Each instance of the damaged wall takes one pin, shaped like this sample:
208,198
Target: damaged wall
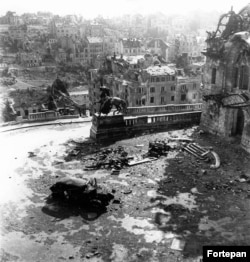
245,139
227,72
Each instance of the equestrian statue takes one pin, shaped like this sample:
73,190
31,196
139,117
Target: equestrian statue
107,102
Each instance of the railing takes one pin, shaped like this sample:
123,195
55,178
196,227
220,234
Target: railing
43,115
147,110
167,118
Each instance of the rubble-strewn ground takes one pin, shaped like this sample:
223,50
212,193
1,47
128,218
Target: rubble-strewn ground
174,197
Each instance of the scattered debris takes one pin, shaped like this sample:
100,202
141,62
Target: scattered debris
194,190
107,158
31,154
127,191
181,139
243,178
201,132
178,244
196,151
75,152
145,160
115,172
157,148
203,154
217,160
203,172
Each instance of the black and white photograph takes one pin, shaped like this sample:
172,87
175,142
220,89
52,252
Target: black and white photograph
124,131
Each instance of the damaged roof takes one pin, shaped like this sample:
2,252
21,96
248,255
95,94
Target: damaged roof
160,70
131,42
134,59
29,97
245,36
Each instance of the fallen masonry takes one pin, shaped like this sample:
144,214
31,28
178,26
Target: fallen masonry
203,154
158,148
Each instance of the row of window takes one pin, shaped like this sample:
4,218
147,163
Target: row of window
127,51
163,89
152,99
162,78
66,31
26,112
152,89
183,98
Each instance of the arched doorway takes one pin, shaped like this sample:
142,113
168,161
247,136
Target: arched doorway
238,122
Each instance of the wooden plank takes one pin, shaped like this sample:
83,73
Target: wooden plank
149,159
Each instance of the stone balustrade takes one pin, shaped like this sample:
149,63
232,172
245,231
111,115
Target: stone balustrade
47,115
165,118
147,110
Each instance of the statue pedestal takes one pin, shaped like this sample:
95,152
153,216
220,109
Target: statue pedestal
107,127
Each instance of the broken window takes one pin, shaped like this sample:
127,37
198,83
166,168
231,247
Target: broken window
152,89
244,77
183,88
172,98
213,79
162,100
172,88
183,97
152,99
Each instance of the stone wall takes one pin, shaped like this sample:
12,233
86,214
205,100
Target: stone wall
220,121
117,127
213,118
245,139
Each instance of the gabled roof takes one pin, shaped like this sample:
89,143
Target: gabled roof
162,42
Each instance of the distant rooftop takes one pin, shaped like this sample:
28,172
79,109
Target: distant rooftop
94,39
160,70
131,42
76,93
133,59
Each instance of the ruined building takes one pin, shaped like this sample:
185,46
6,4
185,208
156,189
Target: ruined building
226,92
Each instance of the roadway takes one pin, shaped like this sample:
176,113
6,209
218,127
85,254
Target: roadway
17,126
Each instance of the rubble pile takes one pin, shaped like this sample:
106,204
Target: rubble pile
158,148
109,158
8,81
